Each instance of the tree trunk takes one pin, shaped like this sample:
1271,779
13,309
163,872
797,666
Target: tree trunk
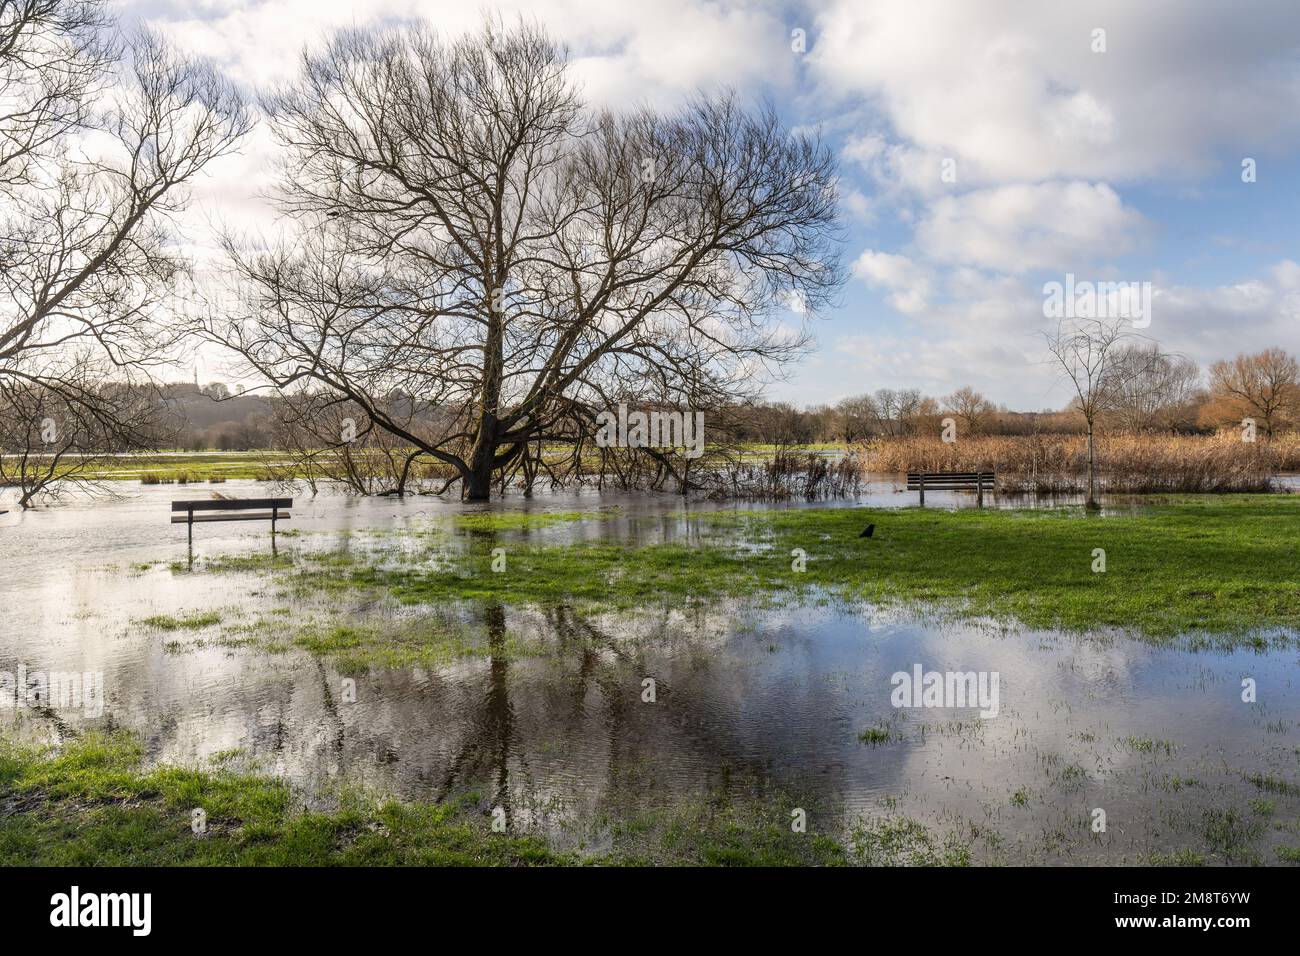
1092,467
477,483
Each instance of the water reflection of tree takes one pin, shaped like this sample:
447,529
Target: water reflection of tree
486,752
643,743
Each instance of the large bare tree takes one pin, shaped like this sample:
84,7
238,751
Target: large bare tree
460,231
99,138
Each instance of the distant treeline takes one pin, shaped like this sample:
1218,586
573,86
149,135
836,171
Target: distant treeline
217,417
1151,392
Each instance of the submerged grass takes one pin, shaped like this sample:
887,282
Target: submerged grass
190,622
92,804
355,642
1218,569
523,520
355,648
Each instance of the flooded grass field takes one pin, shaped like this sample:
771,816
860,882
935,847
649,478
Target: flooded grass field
375,653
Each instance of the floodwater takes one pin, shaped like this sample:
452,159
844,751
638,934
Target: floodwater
764,706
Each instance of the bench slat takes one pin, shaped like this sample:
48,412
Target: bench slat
231,504
246,516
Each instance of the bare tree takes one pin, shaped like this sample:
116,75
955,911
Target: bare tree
54,440
972,408
320,436
1146,388
97,145
1085,350
53,57
901,412
461,230
858,417
1265,385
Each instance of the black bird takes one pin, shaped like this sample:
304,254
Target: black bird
867,533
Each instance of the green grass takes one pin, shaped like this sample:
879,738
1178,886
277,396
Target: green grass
1145,745
1230,835
1218,569
1184,857
902,841
705,832
91,803
428,642
1271,784
193,466
879,735
486,521
191,622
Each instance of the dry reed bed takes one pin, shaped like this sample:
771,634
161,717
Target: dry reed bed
1125,463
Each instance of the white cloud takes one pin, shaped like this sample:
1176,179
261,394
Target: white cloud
908,285
621,52
1013,90
1217,322
858,205
1043,226
986,331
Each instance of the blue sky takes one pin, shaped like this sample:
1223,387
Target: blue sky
1117,164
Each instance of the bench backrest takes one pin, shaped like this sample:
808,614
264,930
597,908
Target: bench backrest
939,479
232,504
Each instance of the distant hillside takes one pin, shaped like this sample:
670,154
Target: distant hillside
212,417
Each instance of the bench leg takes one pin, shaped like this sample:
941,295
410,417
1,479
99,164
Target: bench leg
979,494
921,487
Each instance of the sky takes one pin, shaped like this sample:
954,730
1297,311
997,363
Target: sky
986,148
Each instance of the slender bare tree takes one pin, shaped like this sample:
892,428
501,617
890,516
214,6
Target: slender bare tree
1085,351
98,141
460,229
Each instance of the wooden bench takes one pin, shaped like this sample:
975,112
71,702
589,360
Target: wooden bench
232,509
975,481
